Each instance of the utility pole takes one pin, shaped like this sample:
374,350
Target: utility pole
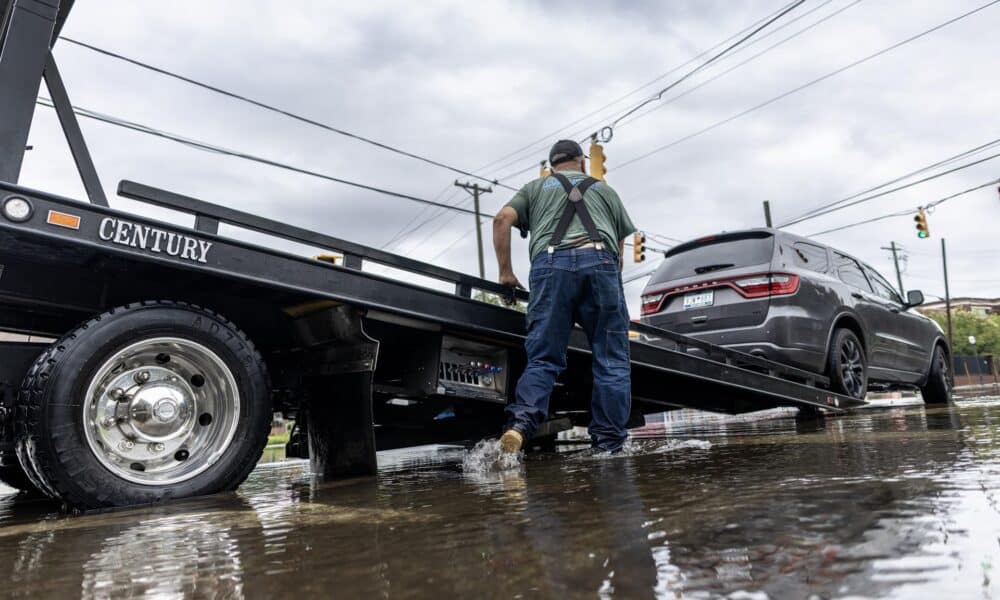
947,292
475,190
895,261
767,213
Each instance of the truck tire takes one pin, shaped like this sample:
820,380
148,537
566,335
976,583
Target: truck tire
145,403
847,365
937,389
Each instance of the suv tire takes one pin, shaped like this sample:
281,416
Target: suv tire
937,389
847,365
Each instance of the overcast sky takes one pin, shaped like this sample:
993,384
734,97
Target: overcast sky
467,83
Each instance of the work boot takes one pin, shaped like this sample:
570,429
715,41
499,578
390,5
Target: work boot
511,441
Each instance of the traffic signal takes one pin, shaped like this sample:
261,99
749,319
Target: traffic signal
638,246
597,157
923,232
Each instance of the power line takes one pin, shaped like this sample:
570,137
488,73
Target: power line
445,196
767,50
708,62
405,236
548,137
818,209
639,273
666,239
708,81
438,229
865,222
654,249
275,109
908,212
423,210
447,248
804,86
895,189
96,116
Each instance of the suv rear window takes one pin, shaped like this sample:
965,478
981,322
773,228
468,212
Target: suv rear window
719,253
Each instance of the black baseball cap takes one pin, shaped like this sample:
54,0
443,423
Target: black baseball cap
564,150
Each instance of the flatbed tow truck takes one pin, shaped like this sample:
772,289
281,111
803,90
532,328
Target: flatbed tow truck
176,345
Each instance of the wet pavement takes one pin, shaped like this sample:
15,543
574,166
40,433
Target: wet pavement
898,502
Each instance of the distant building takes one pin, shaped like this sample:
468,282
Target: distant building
976,306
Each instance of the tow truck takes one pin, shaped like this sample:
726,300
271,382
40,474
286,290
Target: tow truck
175,345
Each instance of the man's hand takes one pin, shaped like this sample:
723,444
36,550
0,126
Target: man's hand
510,280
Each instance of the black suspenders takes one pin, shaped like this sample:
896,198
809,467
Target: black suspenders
575,206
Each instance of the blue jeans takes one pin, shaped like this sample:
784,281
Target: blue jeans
576,286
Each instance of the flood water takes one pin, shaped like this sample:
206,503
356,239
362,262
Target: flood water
899,502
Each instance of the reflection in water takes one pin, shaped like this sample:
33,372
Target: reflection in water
902,502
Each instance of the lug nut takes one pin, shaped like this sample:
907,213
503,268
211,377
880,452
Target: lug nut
125,445
117,394
141,377
109,422
155,447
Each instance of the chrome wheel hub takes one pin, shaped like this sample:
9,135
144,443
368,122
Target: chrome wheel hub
158,411
161,411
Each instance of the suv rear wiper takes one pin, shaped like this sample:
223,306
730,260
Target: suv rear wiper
707,268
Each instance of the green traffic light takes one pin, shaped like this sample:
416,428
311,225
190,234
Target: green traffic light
922,235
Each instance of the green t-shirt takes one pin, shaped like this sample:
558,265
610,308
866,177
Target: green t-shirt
541,202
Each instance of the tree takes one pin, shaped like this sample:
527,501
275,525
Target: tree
495,299
985,328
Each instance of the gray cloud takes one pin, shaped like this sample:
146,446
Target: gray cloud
469,82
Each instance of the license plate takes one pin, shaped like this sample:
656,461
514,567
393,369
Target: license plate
699,299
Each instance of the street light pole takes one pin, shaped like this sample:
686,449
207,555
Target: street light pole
947,292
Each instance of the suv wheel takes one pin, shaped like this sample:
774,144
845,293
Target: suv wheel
847,365
937,390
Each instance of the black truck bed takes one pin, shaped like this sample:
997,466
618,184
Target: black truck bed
72,260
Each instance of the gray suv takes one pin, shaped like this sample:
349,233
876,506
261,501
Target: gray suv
787,298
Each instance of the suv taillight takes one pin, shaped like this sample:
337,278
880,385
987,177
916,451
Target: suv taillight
651,303
754,286
769,284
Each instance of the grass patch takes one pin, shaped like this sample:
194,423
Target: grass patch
281,438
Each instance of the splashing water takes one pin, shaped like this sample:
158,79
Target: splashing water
487,457
642,448
672,445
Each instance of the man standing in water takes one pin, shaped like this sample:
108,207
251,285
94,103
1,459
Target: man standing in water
578,228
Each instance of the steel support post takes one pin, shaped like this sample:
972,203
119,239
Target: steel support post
25,35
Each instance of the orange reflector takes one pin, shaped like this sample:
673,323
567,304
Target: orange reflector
63,220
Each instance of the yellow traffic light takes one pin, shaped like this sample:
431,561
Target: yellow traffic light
638,246
597,157
544,171
923,231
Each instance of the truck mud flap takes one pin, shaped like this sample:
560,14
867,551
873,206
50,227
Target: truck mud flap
339,364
